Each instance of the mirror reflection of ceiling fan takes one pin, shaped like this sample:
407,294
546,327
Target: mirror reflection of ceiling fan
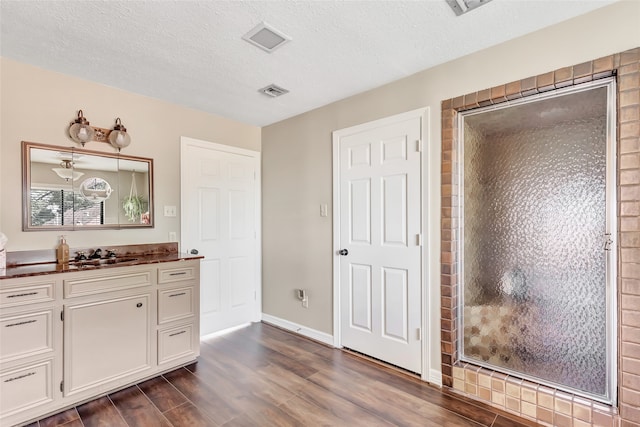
66,171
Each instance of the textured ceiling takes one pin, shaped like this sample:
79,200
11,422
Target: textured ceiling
191,52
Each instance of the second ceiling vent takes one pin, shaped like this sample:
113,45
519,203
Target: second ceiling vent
273,90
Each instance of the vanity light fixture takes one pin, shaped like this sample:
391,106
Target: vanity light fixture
66,172
119,137
81,131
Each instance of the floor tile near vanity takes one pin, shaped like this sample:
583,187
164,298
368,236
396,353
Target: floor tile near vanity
262,375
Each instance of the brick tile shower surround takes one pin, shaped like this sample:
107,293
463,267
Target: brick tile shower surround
529,400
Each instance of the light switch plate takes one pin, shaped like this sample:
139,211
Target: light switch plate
169,211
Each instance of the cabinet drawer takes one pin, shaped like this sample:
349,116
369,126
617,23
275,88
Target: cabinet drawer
25,388
35,293
99,284
176,303
175,343
25,335
168,275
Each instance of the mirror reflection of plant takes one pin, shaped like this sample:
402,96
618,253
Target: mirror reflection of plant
134,206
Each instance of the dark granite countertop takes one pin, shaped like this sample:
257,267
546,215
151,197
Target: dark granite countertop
126,259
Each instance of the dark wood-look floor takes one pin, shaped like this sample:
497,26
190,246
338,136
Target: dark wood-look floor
264,376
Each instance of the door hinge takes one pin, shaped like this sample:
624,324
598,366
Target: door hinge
61,386
255,295
419,334
419,145
419,239
62,315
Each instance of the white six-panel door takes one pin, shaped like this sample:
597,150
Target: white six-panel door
220,219
380,226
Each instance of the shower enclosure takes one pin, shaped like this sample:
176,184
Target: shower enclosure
538,264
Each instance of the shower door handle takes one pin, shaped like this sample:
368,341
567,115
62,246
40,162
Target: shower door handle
607,242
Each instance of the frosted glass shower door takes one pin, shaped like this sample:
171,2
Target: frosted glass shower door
537,186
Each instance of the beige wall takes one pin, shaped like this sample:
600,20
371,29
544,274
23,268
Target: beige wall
37,105
297,171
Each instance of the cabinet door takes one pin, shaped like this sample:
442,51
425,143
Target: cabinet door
106,341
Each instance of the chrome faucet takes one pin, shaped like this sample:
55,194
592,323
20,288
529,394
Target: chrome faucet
97,254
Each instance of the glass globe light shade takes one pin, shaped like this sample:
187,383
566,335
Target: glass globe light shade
80,130
119,137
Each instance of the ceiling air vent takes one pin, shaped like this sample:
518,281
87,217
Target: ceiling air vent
273,90
266,37
464,6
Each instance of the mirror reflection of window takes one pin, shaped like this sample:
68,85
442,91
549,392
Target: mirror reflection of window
51,208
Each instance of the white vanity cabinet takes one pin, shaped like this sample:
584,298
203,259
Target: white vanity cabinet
69,337
30,346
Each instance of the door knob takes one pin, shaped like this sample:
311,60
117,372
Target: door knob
194,252
343,252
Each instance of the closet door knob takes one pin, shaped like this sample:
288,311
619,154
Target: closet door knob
343,252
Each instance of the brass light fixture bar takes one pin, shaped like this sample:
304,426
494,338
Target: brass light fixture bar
81,131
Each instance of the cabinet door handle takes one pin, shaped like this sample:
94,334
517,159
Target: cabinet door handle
19,377
139,305
24,322
178,274
22,295
177,333
177,295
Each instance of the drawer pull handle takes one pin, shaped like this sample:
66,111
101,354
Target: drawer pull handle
177,295
139,305
177,333
22,295
19,377
24,322
178,274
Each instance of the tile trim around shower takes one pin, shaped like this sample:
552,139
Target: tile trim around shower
532,401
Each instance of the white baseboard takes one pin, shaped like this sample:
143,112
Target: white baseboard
435,377
224,331
298,329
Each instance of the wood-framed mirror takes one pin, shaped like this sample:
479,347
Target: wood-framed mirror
67,188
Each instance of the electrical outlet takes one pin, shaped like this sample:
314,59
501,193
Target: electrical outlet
305,302
170,211
323,210
172,236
